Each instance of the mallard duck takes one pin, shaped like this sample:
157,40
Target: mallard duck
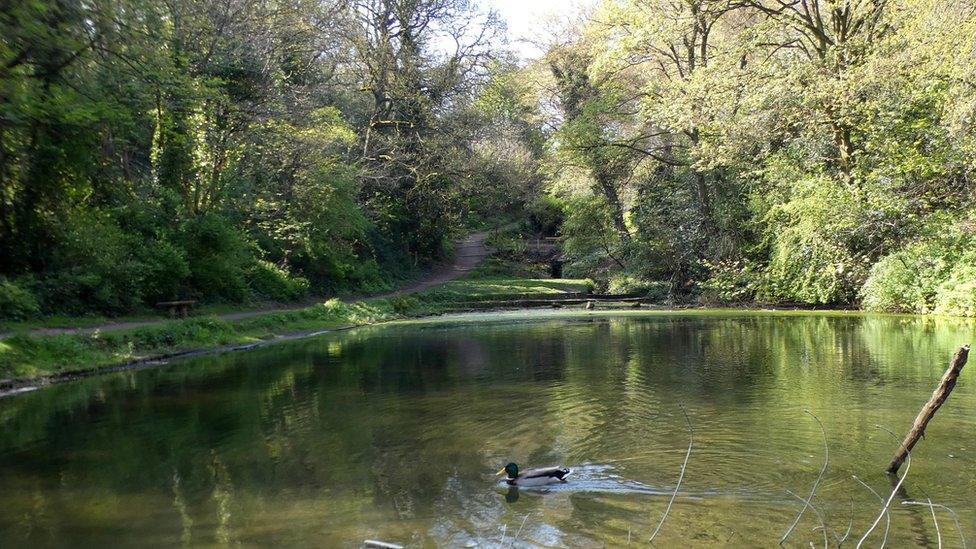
534,477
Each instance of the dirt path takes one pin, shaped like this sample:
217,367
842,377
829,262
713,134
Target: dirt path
470,251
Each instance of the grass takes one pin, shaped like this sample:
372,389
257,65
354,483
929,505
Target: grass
499,289
90,321
24,356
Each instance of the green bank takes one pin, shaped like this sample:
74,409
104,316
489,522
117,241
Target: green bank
24,356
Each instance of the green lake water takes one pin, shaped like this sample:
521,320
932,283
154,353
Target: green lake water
395,433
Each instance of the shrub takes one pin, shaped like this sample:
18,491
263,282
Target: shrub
936,274
590,238
218,256
404,304
957,294
16,302
270,281
92,268
164,271
904,282
729,282
810,260
546,215
630,284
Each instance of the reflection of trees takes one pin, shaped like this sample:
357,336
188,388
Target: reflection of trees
328,439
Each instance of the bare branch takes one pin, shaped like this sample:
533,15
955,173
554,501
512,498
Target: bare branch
691,442
816,483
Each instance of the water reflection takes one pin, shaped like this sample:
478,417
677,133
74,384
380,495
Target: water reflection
394,432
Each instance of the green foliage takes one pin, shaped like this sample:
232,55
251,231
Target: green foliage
957,294
931,275
152,151
729,281
16,302
269,281
745,169
546,215
809,260
218,256
164,272
655,290
589,236
404,304
93,268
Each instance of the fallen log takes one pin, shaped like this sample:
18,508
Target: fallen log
928,411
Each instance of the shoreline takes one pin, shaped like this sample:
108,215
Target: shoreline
19,385
16,386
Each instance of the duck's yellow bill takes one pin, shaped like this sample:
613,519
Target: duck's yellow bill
501,472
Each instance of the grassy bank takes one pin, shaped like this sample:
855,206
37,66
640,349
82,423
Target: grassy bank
24,356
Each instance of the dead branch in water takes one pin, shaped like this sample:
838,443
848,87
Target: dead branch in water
955,517
519,530
884,540
928,411
850,526
935,520
376,544
894,492
691,442
823,524
813,490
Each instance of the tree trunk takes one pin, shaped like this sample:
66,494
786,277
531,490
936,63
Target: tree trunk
704,202
845,151
605,182
928,411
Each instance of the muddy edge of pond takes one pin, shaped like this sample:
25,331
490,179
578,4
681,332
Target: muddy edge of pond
15,386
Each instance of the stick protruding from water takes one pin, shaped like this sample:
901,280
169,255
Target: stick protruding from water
928,411
691,442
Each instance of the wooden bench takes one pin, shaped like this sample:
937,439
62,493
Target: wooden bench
177,309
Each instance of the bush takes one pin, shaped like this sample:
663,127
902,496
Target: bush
218,256
546,215
936,274
957,295
270,281
590,238
404,304
904,282
164,271
729,282
92,268
810,260
16,302
630,284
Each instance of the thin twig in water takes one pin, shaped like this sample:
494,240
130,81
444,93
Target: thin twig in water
850,526
955,517
519,530
806,502
502,542
823,525
691,442
938,533
894,492
887,514
889,431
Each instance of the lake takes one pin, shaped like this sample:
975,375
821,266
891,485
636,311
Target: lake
395,432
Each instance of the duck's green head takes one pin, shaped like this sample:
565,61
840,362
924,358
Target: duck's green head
511,470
